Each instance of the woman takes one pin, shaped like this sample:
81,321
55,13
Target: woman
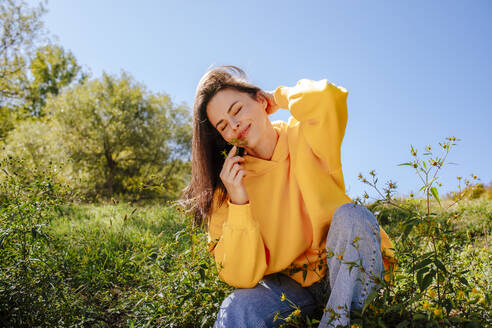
279,222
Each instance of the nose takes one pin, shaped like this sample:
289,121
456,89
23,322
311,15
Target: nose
234,123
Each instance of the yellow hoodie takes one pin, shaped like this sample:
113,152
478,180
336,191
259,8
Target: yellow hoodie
292,197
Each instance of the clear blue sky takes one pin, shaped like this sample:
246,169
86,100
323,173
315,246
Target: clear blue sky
416,71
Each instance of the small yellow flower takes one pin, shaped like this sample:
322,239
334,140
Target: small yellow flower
282,298
297,312
426,305
461,293
432,293
340,257
437,312
474,291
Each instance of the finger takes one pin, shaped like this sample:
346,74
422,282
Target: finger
239,176
232,152
232,174
231,161
233,171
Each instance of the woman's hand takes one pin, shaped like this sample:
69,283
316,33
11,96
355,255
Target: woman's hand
232,176
272,106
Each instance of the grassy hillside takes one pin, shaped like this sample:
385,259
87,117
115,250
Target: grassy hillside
120,265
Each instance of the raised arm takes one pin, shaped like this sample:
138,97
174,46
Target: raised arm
321,109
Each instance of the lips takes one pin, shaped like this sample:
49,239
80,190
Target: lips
243,133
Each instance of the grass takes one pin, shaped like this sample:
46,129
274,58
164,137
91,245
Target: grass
119,265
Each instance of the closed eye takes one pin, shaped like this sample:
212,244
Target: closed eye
225,124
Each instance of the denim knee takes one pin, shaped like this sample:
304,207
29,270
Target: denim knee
350,214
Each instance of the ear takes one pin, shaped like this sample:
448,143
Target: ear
262,99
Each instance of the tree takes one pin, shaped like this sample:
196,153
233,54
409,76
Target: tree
51,69
20,27
119,136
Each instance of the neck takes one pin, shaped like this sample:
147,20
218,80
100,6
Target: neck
265,149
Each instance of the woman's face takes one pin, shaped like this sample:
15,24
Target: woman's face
238,116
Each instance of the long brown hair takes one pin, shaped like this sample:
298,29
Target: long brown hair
207,143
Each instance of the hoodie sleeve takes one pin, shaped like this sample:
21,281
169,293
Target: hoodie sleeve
235,241
321,109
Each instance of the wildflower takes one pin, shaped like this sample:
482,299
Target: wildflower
444,146
414,153
373,173
428,148
330,254
434,163
414,165
340,257
366,195
437,312
411,194
275,317
426,305
474,177
297,312
432,293
475,291
282,298
360,176
459,178
461,293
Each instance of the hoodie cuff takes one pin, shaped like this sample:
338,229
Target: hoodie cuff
240,216
281,97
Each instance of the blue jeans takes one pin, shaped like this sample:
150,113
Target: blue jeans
354,234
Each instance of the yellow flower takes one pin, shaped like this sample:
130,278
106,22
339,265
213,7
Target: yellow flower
282,298
432,293
461,293
297,312
474,291
437,312
426,305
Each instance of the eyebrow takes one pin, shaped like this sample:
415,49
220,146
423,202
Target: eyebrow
230,107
